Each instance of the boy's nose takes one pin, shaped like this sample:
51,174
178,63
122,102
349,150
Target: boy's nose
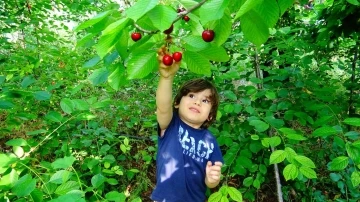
197,102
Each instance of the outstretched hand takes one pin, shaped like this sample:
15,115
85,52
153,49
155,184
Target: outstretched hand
166,71
213,172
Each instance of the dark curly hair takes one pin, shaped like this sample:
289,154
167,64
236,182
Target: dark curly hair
198,85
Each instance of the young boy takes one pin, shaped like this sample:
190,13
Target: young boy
189,158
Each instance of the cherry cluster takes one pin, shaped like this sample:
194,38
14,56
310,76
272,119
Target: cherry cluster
168,59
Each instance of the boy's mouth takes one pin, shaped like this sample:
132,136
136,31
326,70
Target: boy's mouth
194,110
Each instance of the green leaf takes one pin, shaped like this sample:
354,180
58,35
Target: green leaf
65,162
212,10
110,37
324,131
92,62
36,132
197,63
37,195
308,172
115,196
353,2
353,152
27,81
93,20
117,77
2,79
352,121
85,40
162,17
24,186
81,104
269,10
4,104
17,142
71,196
355,178
99,76
284,5
230,95
257,33
246,7
142,64
276,123
248,181
141,7
277,156
339,163
67,187
60,177
54,116
270,94
10,178
259,125
67,105
296,137
215,197
42,95
290,172
215,53
195,43
305,161
234,194
97,180
223,28
274,141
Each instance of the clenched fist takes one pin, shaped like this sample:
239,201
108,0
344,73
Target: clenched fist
213,172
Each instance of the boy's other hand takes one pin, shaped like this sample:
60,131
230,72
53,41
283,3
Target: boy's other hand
213,172
166,71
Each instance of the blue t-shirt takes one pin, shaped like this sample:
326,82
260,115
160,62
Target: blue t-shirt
183,153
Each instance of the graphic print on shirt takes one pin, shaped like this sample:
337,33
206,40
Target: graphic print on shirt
197,150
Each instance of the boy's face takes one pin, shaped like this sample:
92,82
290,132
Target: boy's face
194,108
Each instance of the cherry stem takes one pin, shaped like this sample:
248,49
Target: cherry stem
180,16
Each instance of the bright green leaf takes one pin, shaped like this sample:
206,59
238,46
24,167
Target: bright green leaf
115,196
67,187
257,33
290,172
24,186
248,181
4,104
162,16
223,28
97,180
197,63
94,20
324,131
259,125
42,95
353,2
215,53
117,78
27,81
17,142
355,178
212,10
99,76
67,105
142,64
246,7
141,7
305,161
36,132
352,121
37,195
277,156
308,172
60,177
65,162
339,163
54,116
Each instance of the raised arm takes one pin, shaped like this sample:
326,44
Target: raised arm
164,107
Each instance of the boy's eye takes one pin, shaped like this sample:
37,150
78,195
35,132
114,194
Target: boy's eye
191,95
206,101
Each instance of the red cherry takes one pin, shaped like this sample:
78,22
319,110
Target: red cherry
136,36
186,18
168,31
167,60
177,56
208,35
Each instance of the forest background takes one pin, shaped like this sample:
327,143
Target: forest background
77,100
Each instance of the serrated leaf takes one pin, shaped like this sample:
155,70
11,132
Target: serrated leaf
141,7
197,63
162,17
67,187
308,172
339,163
92,62
110,37
246,7
93,20
269,10
195,43
324,131
305,161
274,141
353,152
215,53
290,172
248,181
67,105
355,178
99,76
276,123
85,40
24,186
215,197
234,194
117,78
37,195
42,95
212,10
284,5
259,125
254,28
64,163
223,28
81,104
17,142
277,156
352,121
142,64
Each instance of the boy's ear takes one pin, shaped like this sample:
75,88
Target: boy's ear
209,118
176,106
